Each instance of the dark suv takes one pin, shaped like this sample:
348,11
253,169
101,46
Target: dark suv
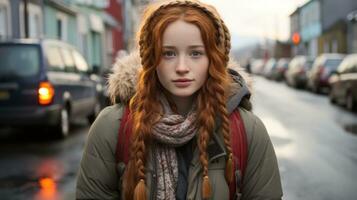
44,83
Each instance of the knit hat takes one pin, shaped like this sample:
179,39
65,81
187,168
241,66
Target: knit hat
223,39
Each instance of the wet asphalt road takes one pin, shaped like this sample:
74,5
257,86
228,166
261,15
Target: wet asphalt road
316,145
36,167
315,142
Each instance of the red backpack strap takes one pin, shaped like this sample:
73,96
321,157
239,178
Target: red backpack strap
239,147
124,134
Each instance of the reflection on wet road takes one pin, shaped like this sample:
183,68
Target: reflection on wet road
34,166
315,141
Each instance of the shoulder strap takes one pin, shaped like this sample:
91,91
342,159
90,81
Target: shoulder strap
124,134
239,147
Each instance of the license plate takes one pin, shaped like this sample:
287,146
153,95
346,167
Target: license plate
4,95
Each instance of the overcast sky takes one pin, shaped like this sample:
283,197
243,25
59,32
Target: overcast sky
257,18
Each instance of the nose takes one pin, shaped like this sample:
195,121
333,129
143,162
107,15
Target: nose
182,66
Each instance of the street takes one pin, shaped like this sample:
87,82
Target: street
315,142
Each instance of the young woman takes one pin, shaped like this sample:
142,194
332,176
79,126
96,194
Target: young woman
180,94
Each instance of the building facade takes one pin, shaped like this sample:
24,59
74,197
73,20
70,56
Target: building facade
115,33
60,21
310,27
325,26
334,25
21,19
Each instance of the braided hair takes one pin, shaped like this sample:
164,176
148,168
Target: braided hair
211,98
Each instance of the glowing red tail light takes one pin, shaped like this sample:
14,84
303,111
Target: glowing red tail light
45,93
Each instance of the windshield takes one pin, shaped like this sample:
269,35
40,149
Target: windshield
17,61
333,63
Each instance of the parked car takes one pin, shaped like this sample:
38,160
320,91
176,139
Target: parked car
269,68
282,65
296,74
257,66
44,83
344,83
321,71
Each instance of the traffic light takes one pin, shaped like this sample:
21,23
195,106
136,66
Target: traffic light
296,38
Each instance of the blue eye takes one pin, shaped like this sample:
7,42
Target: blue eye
196,53
169,54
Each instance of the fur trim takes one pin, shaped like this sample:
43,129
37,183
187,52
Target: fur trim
122,80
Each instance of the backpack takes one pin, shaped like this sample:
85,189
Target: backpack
239,147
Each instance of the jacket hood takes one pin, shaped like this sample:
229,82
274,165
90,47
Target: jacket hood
122,81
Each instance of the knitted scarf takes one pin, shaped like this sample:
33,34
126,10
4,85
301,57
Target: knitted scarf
171,131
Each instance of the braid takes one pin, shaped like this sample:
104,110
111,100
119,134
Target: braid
145,111
227,41
206,122
225,130
218,90
139,149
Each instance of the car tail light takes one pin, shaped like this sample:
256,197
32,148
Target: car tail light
321,71
45,93
302,71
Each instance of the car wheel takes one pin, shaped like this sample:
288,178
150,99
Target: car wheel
316,89
95,113
62,128
350,104
331,98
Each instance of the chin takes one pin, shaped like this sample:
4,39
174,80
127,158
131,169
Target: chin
183,94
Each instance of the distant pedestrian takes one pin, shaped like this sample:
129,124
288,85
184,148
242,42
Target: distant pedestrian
177,101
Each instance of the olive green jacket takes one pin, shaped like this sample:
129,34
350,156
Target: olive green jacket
99,173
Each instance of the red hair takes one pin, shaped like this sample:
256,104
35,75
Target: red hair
211,98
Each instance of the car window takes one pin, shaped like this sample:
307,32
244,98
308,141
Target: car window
81,64
54,58
19,61
332,63
68,60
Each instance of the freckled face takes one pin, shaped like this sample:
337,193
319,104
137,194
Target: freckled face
183,68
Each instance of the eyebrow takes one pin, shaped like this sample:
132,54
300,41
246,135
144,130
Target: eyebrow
190,47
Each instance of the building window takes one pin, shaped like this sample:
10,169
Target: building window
34,25
4,19
334,46
109,41
326,47
61,26
34,20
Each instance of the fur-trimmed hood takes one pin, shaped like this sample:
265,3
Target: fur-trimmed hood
122,81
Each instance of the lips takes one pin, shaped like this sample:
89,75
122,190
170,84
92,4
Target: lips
182,80
182,83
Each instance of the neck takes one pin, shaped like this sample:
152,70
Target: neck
183,104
